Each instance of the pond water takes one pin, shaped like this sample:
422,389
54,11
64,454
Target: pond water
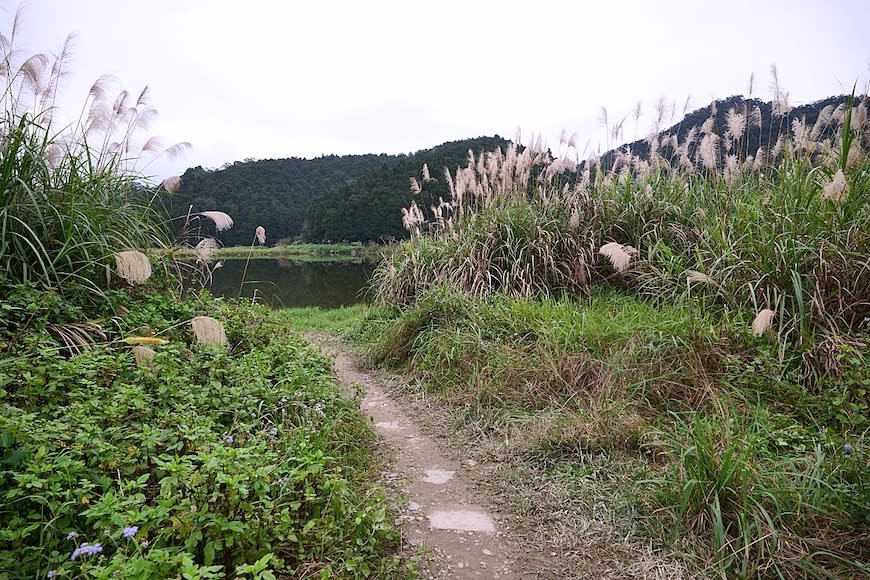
284,283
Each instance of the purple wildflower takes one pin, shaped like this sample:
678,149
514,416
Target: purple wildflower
52,574
71,535
130,532
229,439
86,549
273,431
847,448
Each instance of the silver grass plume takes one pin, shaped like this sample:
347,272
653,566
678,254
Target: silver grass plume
221,220
171,184
736,123
261,235
204,250
133,266
619,255
207,330
763,321
143,355
837,189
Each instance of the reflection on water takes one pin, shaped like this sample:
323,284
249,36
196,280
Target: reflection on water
285,283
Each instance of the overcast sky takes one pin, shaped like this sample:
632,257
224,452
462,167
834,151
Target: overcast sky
270,79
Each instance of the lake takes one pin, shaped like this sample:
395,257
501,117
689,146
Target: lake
287,283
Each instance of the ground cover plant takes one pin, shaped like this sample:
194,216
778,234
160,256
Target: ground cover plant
693,321
203,460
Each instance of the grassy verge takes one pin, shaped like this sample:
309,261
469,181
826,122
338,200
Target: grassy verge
629,426
200,461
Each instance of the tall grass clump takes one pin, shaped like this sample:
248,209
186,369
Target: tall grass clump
784,228
693,312
69,194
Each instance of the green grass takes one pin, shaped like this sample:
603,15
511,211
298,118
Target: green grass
314,319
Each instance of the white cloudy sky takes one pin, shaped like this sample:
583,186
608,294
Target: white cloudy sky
270,78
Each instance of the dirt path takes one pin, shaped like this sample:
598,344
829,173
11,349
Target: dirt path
446,514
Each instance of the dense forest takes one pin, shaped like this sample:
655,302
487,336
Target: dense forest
371,208
360,197
273,193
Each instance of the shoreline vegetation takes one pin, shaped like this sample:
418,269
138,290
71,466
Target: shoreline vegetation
300,252
666,357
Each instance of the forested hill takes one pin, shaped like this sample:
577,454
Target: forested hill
371,208
274,193
350,197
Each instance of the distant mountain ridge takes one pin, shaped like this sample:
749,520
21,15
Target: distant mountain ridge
360,197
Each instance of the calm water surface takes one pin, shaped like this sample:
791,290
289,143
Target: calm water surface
286,283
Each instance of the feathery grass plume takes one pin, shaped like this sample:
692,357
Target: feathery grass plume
837,189
143,355
207,330
133,266
171,184
802,137
415,186
619,255
221,220
763,321
261,235
204,250
736,123
708,151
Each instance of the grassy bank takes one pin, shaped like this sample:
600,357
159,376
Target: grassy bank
199,460
651,425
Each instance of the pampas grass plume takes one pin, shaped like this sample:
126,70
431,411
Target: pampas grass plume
221,220
763,321
618,254
835,190
171,184
133,266
207,330
261,235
